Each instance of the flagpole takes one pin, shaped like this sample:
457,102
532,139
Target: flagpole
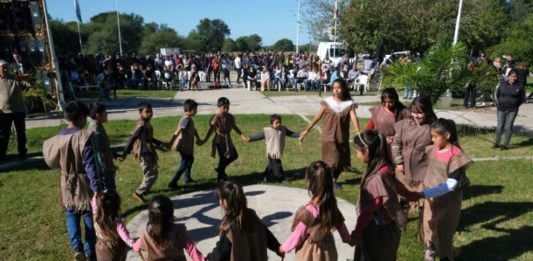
79,36
298,28
119,35
55,64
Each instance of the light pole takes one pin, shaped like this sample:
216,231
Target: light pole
119,35
457,22
298,27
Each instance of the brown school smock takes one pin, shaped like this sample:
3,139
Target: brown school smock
320,244
223,124
408,148
441,214
175,249
144,141
336,137
249,245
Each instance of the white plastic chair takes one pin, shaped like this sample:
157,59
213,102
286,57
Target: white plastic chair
362,80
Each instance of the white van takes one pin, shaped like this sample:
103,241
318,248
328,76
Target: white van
335,50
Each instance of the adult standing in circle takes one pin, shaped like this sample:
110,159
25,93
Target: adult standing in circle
337,111
12,110
509,96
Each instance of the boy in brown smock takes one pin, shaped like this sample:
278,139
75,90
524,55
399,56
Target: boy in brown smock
222,123
141,145
73,154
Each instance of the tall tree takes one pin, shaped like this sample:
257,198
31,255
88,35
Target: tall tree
229,45
103,33
212,33
284,45
253,42
163,36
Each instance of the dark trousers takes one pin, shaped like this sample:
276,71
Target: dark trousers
185,167
239,72
274,170
225,160
6,120
470,96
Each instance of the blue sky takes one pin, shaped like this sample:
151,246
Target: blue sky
270,19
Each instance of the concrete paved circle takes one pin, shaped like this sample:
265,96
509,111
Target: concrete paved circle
275,205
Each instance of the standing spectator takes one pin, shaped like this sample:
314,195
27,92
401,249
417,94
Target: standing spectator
470,88
509,97
12,110
238,67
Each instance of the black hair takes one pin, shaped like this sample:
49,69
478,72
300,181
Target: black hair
222,101
423,104
160,220
236,214
75,110
512,71
190,105
345,94
108,213
390,93
376,145
96,108
442,126
274,117
144,105
319,180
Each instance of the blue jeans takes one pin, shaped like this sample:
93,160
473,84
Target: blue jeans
505,122
74,231
185,167
407,92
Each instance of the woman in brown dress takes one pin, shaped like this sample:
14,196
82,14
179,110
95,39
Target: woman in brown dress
337,111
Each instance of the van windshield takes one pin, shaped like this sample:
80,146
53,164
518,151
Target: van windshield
337,52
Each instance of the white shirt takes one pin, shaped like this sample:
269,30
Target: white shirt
338,107
238,62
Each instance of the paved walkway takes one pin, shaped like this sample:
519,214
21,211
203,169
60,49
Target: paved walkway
246,102
201,213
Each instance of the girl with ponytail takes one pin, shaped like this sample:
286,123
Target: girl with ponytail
380,216
163,239
443,186
242,234
313,222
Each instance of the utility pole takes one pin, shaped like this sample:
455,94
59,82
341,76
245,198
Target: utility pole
119,35
457,23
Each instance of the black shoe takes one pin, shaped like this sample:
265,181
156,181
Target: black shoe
503,147
187,181
173,185
495,146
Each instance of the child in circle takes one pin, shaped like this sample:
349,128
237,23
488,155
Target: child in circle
411,137
337,111
113,237
163,239
443,183
311,229
380,217
242,234
390,111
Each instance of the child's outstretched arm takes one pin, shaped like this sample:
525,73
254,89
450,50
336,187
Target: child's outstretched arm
208,135
315,120
174,137
273,243
298,236
345,235
256,137
355,121
292,134
129,146
238,131
199,141
192,251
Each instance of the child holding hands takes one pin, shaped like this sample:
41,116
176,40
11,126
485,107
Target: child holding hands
222,123
183,142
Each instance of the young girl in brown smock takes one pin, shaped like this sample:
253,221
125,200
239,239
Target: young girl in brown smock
444,181
311,228
163,239
380,217
242,234
390,111
337,112
411,137
113,237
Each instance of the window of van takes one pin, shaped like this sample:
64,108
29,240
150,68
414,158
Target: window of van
336,52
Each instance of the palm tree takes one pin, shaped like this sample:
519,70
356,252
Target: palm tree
442,68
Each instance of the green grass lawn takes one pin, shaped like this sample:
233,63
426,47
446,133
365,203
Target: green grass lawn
495,224
130,93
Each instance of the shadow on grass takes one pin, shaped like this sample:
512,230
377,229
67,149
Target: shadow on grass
499,211
526,143
513,244
481,190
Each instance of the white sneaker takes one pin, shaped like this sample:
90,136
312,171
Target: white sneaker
429,255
